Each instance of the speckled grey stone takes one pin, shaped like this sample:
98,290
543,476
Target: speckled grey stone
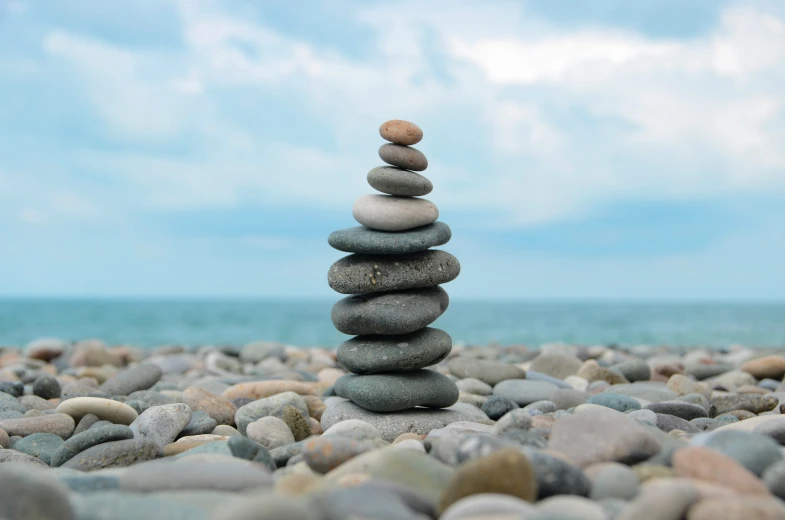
130,380
28,493
496,406
405,157
556,476
394,312
633,370
406,352
46,387
114,454
268,406
9,403
666,423
686,411
360,274
363,240
16,389
752,403
88,439
40,445
200,423
392,392
398,181
162,424
618,402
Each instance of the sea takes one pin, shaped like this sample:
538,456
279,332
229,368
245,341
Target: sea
150,323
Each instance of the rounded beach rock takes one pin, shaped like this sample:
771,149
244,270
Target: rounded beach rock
161,424
104,409
58,424
260,389
404,157
28,493
360,239
392,213
87,439
218,408
132,379
487,371
394,312
391,392
705,464
398,131
114,454
397,181
407,352
361,274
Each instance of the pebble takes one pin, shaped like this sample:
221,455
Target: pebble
130,380
360,274
58,424
662,499
753,451
200,424
524,391
29,493
300,427
217,407
5,442
34,402
474,386
14,389
270,432
360,239
774,429
669,423
613,480
273,507
752,403
269,406
397,181
398,391
161,424
766,367
506,471
400,132
496,407
683,385
47,387
568,398
353,429
559,365
393,213
261,389
405,352
105,409
774,478
114,454
394,312
556,476
327,453
491,506
618,402
737,508
607,435
571,507
489,372
633,370
704,464
227,474
39,445
686,411
404,157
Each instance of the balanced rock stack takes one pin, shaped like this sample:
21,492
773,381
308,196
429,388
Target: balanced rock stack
394,277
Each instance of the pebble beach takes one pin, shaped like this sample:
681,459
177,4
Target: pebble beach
91,431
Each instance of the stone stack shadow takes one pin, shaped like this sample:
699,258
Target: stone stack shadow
394,278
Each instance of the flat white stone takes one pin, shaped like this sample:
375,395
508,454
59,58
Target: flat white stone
391,213
105,409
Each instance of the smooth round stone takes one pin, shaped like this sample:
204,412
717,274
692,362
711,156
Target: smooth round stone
397,181
496,407
391,213
269,406
774,478
556,476
219,408
114,454
361,274
571,507
406,352
229,474
524,392
750,402
15,389
618,402
11,404
474,386
568,398
46,387
39,445
753,451
404,157
130,380
489,505
666,423
324,454
487,371
270,432
701,463
633,370
614,481
773,429
28,493
87,439
360,239
352,428
34,402
402,132
398,391
58,424
162,424
105,409
200,424
394,312
686,411
557,365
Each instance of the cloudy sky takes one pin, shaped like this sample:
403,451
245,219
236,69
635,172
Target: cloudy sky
579,149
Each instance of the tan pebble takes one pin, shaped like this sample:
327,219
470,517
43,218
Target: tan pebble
226,430
702,463
296,484
5,441
107,409
737,508
750,389
408,436
646,472
330,375
766,367
316,426
315,406
59,424
88,381
710,490
401,132
260,389
217,407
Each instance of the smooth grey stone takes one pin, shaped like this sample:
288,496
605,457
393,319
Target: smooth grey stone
17,389
360,274
149,398
390,392
524,392
701,371
88,439
101,424
211,448
652,392
394,312
282,454
615,481
363,240
89,482
123,505
46,387
491,505
364,501
268,406
556,476
29,493
397,181
130,380
774,478
268,506
754,451
633,370
40,445
392,213
402,156
474,386
668,445
162,424
243,447
559,365
487,371
706,424
496,407
170,474
476,445
666,423
9,403
774,429
417,420
406,352
85,423
686,411
619,402
200,423
696,399
751,402
569,398
17,457
533,375
114,454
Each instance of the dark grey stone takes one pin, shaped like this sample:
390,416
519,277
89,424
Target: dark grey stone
46,387
85,423
114,454
496,406
40,445
397,181
406,352
200,423
132,379
666,423
16,389
392,392
633,370
686,411
555,476
28,493
394,312
402,156
87,439
360,274
364,240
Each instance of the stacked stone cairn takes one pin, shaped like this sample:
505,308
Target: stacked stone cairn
393,277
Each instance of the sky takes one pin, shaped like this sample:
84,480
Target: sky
601,149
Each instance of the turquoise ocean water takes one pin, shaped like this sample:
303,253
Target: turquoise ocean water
307,323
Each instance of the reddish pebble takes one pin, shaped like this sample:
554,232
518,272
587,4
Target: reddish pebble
400,132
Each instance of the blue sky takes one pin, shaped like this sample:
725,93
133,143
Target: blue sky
579,149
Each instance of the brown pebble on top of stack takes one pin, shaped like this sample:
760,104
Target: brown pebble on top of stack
393,276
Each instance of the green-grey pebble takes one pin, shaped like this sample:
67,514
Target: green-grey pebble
390,392
40,445
406,352
114,454
394,312
364,240
89,438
